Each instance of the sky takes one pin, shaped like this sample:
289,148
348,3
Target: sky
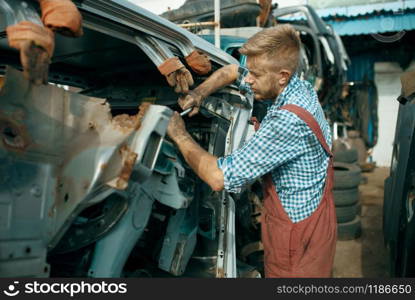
159,6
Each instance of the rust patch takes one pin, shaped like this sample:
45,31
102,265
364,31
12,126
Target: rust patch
143,110
91,125
86,184
220,273
126,122
129,157
103,166
13,135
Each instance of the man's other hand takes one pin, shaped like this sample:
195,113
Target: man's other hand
176,128
192,99
61,16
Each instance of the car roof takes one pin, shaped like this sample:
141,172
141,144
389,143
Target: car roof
134,16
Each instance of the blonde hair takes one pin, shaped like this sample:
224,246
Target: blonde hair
281,44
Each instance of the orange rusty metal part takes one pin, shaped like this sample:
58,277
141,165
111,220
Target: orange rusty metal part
142,110
128,156
126,122
220,273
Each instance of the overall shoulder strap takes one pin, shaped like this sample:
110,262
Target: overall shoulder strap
308,118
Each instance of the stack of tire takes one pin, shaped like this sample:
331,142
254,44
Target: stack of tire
347,177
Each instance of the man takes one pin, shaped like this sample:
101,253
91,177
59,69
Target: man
290,149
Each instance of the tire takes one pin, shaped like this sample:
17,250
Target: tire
406,257
346,214
348,156
338,146
346,197
359,208
359,145
346,176
350,230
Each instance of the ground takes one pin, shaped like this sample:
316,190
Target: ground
367,255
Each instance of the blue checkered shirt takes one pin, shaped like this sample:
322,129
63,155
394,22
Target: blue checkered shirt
285,146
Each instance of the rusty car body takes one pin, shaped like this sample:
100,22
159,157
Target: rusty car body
89,184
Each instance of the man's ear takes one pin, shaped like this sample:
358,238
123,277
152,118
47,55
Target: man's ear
285,77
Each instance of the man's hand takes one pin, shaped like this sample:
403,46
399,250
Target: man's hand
36,44
202,162
176,74
61,16
220,78
181,79
192,99
176,128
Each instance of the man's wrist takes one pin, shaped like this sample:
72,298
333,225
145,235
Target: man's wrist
198,94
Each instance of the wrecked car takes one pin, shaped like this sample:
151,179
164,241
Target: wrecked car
234,13
90,185
323,62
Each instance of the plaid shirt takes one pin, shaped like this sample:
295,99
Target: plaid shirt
285,146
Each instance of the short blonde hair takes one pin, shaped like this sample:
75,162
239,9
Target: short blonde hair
280,43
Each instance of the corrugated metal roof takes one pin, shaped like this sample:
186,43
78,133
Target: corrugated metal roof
374,24
360,10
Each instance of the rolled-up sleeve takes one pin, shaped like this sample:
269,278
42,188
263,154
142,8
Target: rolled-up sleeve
279,140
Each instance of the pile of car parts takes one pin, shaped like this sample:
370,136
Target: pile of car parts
234,13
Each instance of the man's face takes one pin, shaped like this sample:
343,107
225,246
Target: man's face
266,83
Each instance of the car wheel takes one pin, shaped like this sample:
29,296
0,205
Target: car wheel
407,253
349,230
406,247
402,262
346,176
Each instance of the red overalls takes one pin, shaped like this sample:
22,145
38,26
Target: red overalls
306,248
